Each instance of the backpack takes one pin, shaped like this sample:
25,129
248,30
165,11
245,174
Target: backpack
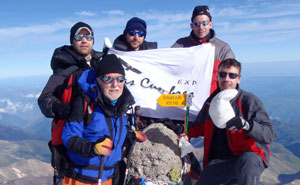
70,91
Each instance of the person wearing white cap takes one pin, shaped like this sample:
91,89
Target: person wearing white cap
80,54
66,60
237,132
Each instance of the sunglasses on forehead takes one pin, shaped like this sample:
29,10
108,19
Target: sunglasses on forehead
204,23
223,74
133,33
109,79
79,37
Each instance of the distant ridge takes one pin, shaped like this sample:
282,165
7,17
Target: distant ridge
30,81
284,68
10,133
288,68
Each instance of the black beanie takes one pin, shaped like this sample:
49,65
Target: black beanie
109,64
136,23
77,27
201,10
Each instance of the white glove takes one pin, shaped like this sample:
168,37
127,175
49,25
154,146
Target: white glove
185,147
220,109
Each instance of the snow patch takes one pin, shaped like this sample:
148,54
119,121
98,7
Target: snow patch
19,173
31,95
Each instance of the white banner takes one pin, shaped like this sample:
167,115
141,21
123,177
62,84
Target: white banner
150,73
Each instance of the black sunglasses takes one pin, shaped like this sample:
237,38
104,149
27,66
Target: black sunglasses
79,37
223,74
109,79
204,23
133,33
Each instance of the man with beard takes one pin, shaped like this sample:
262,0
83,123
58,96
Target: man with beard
101,138
133,37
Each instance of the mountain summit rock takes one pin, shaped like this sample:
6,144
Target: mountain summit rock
159,155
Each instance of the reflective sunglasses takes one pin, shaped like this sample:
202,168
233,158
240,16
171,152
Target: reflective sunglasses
223,74
204,23
133,33
109,79
79,37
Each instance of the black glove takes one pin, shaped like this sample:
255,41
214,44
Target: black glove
238,123
136,135
176,127
131,135
60,109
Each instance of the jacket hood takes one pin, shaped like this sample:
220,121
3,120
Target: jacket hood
88,84
65,56
121,44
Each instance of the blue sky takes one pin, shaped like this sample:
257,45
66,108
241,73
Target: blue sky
257,30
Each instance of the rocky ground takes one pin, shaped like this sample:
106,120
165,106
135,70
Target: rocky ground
158,156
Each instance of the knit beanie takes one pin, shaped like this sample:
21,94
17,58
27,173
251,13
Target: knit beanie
76,28
201,10
136,23
109,64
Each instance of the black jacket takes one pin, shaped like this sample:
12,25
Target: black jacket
64,61
121,44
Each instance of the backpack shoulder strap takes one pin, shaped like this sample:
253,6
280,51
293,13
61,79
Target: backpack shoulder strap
88,109
109,125
67,71
72,74
67,92
88,115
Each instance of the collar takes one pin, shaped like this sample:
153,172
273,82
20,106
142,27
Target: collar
199,41
114,102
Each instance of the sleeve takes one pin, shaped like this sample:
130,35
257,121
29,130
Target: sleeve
177,45
197,127
225,52
262,128
50,94
228,53
72,134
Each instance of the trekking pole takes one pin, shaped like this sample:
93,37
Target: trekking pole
187,104
186,124
101,165
131,148
128,160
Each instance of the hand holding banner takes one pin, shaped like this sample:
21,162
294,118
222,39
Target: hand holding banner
151,73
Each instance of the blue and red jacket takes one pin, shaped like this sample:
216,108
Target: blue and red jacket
257,139
80,137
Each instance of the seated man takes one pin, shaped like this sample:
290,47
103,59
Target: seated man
237,132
